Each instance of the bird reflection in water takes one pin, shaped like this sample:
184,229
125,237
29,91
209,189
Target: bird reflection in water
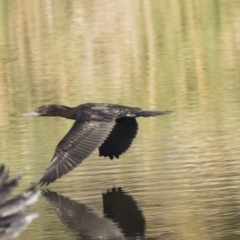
124,211
12,221
122,219
82,219
122,216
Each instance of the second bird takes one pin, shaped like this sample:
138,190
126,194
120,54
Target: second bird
109,127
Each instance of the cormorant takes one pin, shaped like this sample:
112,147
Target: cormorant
109,127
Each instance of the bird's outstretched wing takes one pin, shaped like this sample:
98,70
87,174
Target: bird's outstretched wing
81,140
120,139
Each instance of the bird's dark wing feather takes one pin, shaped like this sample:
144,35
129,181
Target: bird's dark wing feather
120,139
81,140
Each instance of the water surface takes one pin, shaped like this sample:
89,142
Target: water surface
182,173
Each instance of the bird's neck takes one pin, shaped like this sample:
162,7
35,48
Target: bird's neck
66,112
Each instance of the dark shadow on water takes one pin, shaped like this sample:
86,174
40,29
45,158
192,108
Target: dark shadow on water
122,208
122,219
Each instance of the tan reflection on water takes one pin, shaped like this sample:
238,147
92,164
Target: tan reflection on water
182,169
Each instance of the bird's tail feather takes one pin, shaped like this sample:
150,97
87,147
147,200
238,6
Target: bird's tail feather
151,113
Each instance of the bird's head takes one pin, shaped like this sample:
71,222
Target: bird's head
47,110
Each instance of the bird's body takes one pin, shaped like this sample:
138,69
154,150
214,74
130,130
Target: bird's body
109,127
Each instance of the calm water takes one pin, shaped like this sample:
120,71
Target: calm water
181,177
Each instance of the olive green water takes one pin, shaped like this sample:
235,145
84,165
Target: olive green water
183,170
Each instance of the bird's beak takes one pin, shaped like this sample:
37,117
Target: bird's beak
31,114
